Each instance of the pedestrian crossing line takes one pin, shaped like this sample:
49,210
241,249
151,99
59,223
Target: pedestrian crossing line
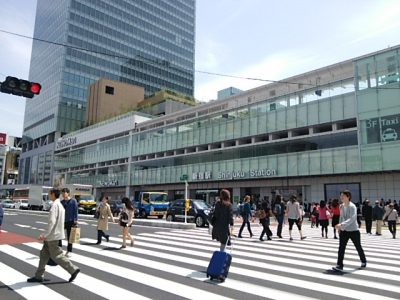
17,282
256,248
329,280
108,291
145,279
184,272
305,244
297,263
351,254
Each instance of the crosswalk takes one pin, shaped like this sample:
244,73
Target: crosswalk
171,264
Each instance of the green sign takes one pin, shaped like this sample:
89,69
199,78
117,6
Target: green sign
184,177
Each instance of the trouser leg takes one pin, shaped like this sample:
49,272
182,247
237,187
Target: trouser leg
57,255
343,239
356,239
43,259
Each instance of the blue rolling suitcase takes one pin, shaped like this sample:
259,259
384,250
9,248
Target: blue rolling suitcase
218,267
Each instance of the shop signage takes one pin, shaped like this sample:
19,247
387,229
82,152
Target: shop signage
246,174
383,129
66,142
109,183
202,175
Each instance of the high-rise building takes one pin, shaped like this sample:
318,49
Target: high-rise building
141,42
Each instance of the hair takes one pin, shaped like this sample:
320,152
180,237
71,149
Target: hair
247,198
347,193
335,202
65,190
104,197
225,195
127,202
293,198
322,204
278,199
56,192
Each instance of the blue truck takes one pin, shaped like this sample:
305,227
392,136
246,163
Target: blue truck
151,204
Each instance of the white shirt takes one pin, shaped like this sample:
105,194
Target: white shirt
55,228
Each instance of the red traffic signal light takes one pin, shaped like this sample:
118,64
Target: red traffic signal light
19,87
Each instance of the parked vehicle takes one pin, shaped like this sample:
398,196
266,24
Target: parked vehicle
35,195
83,194
151,204
116,207
198,211
23,204
8,203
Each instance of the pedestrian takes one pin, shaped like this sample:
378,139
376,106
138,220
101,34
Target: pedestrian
313,218
348,229
378,213
222,220
359,214
246,215
54,233
294,216
264,214
368,215
125,221
324,215
1,215
335,213
71,216
103,212
279,212
391,217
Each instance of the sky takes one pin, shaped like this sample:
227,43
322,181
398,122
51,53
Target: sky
264,39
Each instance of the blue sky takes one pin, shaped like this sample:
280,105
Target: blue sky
250,38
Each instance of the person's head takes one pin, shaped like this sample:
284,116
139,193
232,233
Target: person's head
127,202
322,204
278,199
54,194
391,205
345,196
247,198
65,192
367,202
225,196
335,202
293,198
377,202
104,199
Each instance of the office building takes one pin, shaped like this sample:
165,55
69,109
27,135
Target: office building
144,43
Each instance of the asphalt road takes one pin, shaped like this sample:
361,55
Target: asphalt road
170,264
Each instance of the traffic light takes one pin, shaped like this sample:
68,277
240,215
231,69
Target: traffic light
20,87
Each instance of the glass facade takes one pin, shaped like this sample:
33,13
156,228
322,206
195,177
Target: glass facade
145,43
378,94
344,136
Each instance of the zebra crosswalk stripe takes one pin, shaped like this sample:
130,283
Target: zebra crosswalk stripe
17,281
108,291
258,270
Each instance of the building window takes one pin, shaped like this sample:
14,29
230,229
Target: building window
109,90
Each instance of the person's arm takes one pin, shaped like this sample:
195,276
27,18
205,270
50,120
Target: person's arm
109,213
52,221
130,217
75,213
352,219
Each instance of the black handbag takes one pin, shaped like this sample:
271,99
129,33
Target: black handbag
97,214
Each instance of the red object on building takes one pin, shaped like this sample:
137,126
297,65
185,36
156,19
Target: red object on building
3,138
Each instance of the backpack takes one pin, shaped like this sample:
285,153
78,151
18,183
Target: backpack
277,209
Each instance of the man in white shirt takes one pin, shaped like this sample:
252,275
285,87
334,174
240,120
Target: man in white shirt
54,233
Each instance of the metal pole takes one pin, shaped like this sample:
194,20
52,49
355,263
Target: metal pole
186,196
